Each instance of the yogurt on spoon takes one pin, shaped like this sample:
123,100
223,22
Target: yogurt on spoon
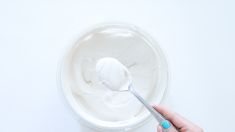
113,74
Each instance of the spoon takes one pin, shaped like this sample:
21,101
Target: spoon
114,75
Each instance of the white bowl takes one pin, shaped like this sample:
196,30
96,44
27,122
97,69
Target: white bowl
161,74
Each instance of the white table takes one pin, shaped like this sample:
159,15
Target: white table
197,37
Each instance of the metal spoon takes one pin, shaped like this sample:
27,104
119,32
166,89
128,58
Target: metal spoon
114,75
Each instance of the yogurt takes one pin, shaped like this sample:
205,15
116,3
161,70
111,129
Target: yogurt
92,101
113,74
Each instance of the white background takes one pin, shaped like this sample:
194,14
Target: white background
197,36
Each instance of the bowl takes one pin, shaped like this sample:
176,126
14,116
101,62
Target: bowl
133,47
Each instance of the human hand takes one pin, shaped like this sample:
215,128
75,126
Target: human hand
179,123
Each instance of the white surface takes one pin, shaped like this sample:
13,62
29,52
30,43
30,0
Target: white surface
197,36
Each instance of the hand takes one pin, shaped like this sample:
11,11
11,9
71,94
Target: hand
180,124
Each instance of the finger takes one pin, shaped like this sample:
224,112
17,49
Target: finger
159,128
178,121
171,129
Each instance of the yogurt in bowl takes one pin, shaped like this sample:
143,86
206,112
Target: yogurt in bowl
92,102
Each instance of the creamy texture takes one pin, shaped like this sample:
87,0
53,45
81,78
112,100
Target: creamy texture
113,74
92,97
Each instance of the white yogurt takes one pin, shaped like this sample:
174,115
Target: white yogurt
90,99
113,74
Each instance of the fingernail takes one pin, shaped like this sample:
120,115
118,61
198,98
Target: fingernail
166,124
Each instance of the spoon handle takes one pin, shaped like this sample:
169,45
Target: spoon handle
164,123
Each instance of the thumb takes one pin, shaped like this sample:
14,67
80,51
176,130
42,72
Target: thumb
164,112
178,121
